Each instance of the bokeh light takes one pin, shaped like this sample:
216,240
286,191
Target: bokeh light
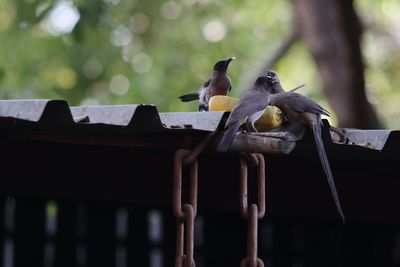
140,23
141,63
119,85
92,68
121,36
62,18
214,31
66,78
171,10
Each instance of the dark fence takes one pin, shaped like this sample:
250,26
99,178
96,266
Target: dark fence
77,205
69,233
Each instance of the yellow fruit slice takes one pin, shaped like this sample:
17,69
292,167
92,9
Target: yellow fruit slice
222,103
271,118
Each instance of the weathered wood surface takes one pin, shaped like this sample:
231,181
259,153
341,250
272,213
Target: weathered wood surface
269,143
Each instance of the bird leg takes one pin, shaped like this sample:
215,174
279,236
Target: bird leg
249,127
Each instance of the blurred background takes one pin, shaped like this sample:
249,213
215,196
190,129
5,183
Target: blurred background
129,51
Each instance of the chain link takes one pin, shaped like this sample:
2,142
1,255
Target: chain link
255,211
185,213
177,185
244,203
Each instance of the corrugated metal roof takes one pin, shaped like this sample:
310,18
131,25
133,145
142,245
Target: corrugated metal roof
374,139
38,110
138,117
26,116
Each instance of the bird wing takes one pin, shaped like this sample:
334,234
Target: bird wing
207,83
251,102
298,102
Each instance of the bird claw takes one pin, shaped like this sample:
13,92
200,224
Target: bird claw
338,135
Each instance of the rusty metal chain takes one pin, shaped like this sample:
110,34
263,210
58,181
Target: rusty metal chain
199,148
185,213
255,211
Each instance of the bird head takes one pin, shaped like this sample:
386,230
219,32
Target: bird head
223,64
265,83
274,80
272,77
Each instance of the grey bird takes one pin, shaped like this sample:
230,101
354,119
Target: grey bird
219,83
300,109
250,105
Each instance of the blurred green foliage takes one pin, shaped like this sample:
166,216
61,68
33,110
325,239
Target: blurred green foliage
130,51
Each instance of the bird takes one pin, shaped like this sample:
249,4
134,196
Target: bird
300,109
250,105
218,83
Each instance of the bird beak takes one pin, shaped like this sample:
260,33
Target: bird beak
230,59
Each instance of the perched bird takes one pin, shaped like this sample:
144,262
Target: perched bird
250,105
300,109
218,84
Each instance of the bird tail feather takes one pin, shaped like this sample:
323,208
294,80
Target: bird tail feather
189,97
228,137
326,167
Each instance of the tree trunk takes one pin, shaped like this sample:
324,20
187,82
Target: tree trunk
332,32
